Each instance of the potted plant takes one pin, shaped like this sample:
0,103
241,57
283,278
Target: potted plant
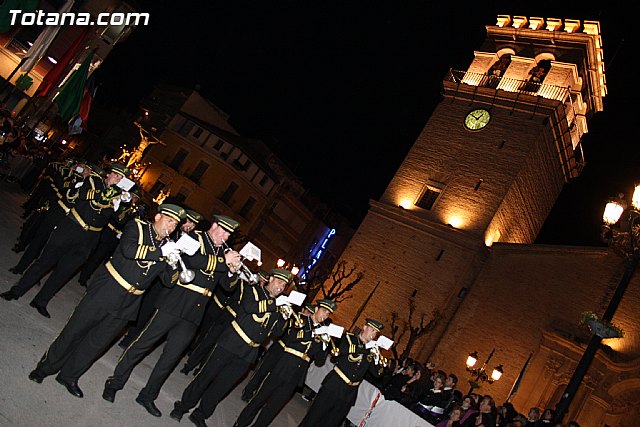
602,328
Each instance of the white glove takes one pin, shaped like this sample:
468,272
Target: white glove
116,204
370,344
173,258
169,247
282,300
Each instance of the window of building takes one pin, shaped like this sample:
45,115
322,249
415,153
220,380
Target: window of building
242,163
197,132
229,192
197,173
182,195
157,187
186,128
178,159
430,194
246,208
218,145
263,180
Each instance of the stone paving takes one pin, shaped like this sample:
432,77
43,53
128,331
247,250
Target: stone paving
26,335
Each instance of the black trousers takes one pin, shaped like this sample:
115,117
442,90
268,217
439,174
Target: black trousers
220,373
65,252
327,409
274,393
264,367
147,308
103,250
199,354
28,230
178,332
40,236
89,331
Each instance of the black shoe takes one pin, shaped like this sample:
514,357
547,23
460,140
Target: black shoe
17,248
176,415
109,394
185,370
196,371
37,376
42,310
150,407
197,421
9,295
71,386
16,270
83,284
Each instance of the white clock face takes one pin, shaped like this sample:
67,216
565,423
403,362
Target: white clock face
477,119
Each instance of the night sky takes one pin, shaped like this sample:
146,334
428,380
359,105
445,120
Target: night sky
341,90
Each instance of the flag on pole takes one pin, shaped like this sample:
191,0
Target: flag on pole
79,122
55,74
70,95
516,384
26,6
42,43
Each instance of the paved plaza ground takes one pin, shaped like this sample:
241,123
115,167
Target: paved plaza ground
26,335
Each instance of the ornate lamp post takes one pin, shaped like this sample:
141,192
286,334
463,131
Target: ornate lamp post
480,374
621,231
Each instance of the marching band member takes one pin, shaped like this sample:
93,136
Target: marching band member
179,311
112,298
340,387
293,353
236,349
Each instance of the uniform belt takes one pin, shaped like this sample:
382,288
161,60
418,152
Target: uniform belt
217,301
295,352
83,224
244,336
344,378
63,206
204,291
113,228
131,289
231,311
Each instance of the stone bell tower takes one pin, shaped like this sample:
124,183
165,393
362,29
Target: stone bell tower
487,167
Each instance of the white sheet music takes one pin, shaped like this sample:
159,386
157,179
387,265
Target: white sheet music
188,244
125,183
384,342
296,298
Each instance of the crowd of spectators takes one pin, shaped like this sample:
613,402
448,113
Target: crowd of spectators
433,394
19,153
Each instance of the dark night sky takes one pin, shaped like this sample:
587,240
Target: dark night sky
341,90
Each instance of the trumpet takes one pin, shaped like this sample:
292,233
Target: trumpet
328,339
186,275
288,312
249,275
125,197
379,358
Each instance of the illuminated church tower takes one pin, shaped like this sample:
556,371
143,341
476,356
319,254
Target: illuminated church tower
487,167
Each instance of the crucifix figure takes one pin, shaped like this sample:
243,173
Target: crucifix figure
145,141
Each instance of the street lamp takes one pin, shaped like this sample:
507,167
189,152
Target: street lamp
480,374
295,270
622,234
280,263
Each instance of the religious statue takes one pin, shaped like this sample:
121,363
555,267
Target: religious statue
145,141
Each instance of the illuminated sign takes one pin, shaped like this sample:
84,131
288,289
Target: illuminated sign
319,250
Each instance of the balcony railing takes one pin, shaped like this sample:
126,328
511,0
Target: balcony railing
510,85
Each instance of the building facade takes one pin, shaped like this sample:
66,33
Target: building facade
455,227
205,164
15,43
